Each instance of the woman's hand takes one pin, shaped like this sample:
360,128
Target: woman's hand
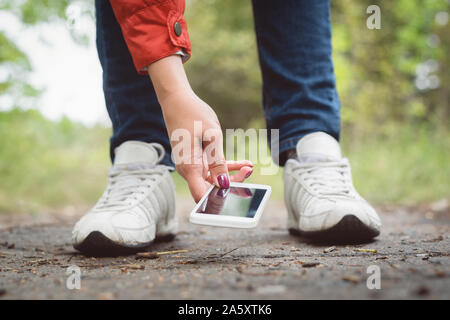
194,131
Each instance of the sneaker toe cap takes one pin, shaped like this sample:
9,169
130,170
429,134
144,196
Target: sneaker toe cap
332,212
91,222
124,228
359,209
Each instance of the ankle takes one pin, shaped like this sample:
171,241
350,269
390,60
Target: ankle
286,155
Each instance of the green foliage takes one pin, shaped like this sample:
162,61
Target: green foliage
224,67
32,11
408,165
12,59
395,134
9,53
376,69
49,164
45,164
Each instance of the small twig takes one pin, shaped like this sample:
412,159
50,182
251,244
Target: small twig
171,252
366,250
156,255
221,255
224,254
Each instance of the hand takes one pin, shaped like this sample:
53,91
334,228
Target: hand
199,156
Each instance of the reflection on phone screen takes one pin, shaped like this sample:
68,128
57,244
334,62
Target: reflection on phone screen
235,201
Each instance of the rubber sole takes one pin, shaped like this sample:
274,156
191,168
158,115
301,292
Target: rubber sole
349,230
97,244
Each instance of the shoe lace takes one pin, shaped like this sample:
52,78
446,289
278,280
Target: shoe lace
128,183
326,178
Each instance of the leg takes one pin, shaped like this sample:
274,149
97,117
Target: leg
130,98
299,91
138,204
294,41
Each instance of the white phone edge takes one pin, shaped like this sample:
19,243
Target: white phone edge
231,221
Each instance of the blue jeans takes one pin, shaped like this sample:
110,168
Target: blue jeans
299,87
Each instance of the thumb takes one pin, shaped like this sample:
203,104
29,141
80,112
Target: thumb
217,164
219,174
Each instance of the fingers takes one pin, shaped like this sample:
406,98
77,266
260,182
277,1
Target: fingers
199,186
242,174
236,165
216,159
219,175
244,167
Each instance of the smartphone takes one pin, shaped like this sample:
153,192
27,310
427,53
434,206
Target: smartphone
239,206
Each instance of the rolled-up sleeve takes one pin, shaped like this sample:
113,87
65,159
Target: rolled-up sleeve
152,29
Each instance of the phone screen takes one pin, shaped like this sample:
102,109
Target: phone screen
234,201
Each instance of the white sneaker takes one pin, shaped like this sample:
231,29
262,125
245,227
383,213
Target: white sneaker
137,206
319,194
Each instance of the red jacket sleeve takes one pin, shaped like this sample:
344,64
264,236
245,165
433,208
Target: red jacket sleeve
153,29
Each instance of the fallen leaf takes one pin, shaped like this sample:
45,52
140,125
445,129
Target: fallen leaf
352,279
310,264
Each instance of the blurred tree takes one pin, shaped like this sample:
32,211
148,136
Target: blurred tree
396,74
224,66
393,83
14,63
385,77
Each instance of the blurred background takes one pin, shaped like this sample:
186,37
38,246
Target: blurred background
394,85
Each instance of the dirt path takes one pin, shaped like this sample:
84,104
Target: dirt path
412,254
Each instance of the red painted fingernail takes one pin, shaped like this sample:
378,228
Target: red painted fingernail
248,174
224,181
